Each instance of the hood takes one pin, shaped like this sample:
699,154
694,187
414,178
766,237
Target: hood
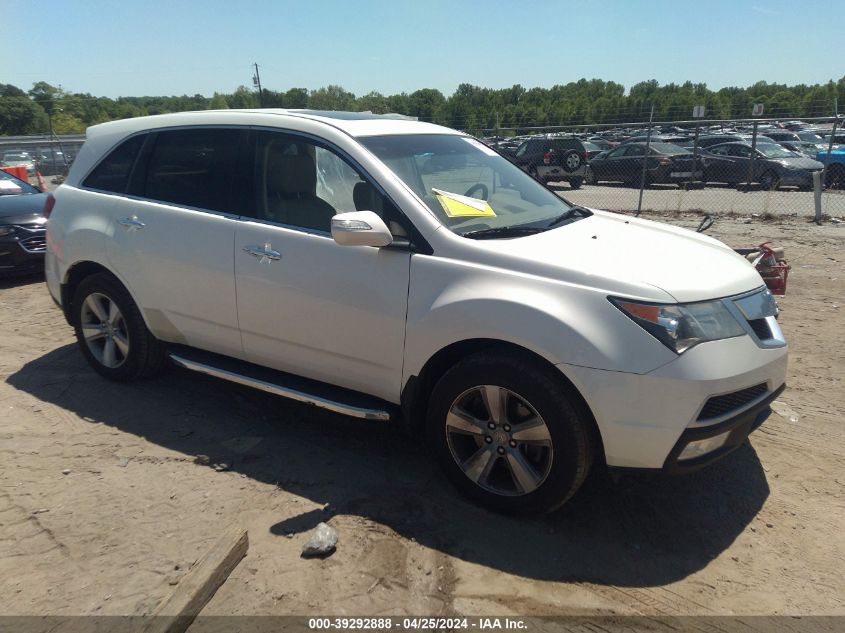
25,207
633,256
800,162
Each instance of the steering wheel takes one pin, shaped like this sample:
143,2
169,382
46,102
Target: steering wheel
478,187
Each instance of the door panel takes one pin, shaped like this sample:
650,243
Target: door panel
324,311
179,267
173,240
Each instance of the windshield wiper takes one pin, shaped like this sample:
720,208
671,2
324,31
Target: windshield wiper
503,231
573,213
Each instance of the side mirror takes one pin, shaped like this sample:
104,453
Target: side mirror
360,228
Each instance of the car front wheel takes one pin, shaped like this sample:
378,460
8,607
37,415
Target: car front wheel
508,435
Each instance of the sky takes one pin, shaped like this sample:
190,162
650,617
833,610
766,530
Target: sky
175,47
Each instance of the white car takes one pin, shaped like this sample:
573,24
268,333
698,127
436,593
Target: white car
394,270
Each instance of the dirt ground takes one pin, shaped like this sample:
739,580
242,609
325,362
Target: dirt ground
103,508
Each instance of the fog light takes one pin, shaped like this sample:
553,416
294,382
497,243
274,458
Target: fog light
702,447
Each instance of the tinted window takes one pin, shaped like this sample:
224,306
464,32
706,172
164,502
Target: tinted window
635,150
194,168
112,174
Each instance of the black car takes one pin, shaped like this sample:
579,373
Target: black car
553,159
22,226
773,166
667,163
53,163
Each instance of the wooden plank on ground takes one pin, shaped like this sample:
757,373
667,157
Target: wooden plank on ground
176,613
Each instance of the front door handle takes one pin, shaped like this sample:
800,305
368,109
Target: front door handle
263,253
132,223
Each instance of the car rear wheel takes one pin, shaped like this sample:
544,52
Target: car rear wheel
508,435
111,332
835,178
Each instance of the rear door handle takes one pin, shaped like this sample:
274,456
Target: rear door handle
263,253
131,223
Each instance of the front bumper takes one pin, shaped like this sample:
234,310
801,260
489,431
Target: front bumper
796,177
15,258
736,429
643,418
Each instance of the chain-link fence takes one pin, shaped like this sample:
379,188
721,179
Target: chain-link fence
741,166
43,157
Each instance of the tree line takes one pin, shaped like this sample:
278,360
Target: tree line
583,102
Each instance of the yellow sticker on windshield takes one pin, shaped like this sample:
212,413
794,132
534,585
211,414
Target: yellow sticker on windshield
458,206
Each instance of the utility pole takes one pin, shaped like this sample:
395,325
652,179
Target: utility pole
256,81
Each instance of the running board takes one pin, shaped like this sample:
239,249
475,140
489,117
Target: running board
342,401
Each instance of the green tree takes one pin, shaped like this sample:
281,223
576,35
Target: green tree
20,115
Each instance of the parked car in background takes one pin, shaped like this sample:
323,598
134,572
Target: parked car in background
666,163
803,147
835,161
53,163
601,143
22,226
658,138
838,137
593,149
773,166
717,139
782,135
810,136
553,159
18,159
523,339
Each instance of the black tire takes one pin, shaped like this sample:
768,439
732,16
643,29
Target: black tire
146,355
769,181
575,183
560,467
571,161
835,177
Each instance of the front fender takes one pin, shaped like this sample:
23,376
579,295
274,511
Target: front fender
452,301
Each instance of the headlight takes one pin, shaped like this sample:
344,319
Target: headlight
680,326
6,230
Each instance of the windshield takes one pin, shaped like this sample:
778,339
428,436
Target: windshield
9,185
467,185
774,151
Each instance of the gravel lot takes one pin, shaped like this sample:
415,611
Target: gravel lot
103,508
713,199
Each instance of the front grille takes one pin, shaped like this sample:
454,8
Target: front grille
761,328
36,244
34,227
718,406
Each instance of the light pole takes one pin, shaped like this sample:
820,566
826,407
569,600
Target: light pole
52,143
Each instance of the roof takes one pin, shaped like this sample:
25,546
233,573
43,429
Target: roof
353,123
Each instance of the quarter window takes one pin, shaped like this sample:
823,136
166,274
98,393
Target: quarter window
194,168
112,174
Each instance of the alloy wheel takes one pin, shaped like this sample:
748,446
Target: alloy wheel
104,330
499,440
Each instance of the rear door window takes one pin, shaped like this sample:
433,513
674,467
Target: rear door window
194,168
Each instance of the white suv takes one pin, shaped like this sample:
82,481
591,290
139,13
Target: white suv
394,270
